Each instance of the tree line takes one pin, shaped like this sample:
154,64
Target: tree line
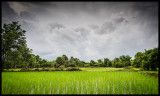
16,54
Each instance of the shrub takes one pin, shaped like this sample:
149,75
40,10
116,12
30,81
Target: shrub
36,69
128,68
71,65
73,69
12,71
47,69
43,69
24,69
7,70
58,69
86,65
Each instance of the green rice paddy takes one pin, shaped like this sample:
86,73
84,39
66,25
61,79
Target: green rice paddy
78,82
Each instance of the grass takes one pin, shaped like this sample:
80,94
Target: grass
149,72
17,69
81,82
101,69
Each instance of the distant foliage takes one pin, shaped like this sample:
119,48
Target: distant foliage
122,61
16,54
73,69
147,60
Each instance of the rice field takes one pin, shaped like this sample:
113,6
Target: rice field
78,82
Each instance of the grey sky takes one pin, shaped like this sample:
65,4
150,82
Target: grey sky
86,30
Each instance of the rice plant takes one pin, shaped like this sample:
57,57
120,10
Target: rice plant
92,82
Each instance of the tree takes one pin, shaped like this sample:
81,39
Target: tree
150,59
128,60
106,61
44,63
100,63
153,59
138,59
26,54
33,61
65,59
147,60
76,61
92,63
13,40
59,61
109,63
82,63
116,62
122,58
125,60
145,65
71,59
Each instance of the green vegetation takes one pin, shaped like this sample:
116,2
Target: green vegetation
147,60
101,69
16,54
78,82
30,74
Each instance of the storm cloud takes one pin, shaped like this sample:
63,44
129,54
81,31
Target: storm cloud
86,30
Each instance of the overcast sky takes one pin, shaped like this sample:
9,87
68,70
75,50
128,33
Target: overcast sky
85,30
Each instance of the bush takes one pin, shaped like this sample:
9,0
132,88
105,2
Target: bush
7,70
71,65
43,69
12,71
73,69
24,69
58,69
46,70
128,68
36,69
86,65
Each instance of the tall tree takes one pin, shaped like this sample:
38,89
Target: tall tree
109,63
106,62
77,61
116,62
125,60
92,63
13,40
60,61
82,63
150,59
138,59
153,58
71,59
100,62
65,59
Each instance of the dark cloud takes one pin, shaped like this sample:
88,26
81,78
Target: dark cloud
94,27
27,15
56,25
147,15
146,11
41,7
84,32
119,20
107,27
8,14
27,25
42,4
120,27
